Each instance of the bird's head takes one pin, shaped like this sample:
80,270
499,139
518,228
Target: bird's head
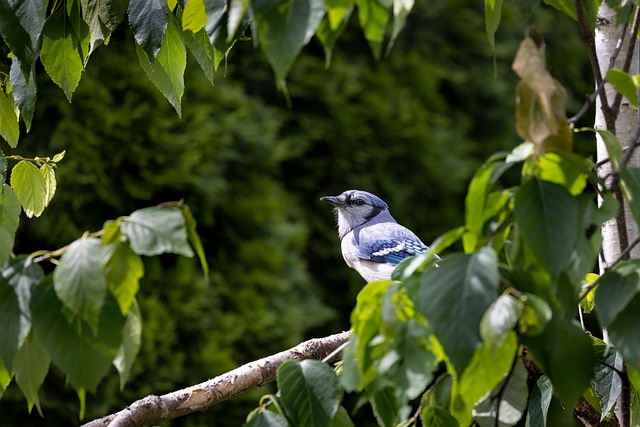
354,208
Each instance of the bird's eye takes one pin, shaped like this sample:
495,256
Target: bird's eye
358,202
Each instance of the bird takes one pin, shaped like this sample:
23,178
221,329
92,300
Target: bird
372,241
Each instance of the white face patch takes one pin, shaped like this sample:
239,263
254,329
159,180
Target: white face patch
352,216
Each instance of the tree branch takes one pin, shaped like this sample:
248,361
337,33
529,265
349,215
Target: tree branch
155,409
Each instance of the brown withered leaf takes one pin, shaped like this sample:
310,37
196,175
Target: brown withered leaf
541,100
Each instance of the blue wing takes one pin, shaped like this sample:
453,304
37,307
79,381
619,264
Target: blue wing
394,250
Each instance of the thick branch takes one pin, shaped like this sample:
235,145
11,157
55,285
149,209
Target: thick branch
155,409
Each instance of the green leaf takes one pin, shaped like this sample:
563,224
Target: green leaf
284,27
454,297
567,169
616,290
476,200
332,25
149,20
31,367
102,17
401,9
131,335
565,353
49,176
30,188
79,281
486,369
194,238
21,23
123,270
385,407
492,17
17,280
373,17
539,402
545,214
216,29
167,71
625,84
111,232
341,419
631,179
500,319
194,17
9,129
84,357
5,378
535,315
156,230
60,53
267,418
23,88
435,416
236,14
505,404
606,381
623,332
309,392
614,148
9,210
6,245
566,6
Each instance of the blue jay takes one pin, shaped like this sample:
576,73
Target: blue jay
373,243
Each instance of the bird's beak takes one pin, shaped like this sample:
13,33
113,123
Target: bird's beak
333,201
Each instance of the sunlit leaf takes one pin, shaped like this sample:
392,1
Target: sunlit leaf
30,187
401,9
5,378
60,53
79,281
194,17
333,24
9,129
492,17
50,184
625,84
499,319
374,17
122,269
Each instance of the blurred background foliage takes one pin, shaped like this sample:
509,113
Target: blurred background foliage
411,128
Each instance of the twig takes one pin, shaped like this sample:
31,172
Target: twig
621,257
155,409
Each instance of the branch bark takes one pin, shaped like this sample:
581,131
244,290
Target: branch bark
155,409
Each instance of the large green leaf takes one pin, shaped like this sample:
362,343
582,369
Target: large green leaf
565,353
9,129
501,317
123,270
24,88
567,169
623,332
84,357
149,20
385,407
539,402
167,70
9,209
79,281
284,27
606,381
625,84
102,17
61,52
486,369
21,23
454,297
31,367
156,230
505,405
332,25
546,214
30,186
309,392
5,378
18,278
131,335
194,17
